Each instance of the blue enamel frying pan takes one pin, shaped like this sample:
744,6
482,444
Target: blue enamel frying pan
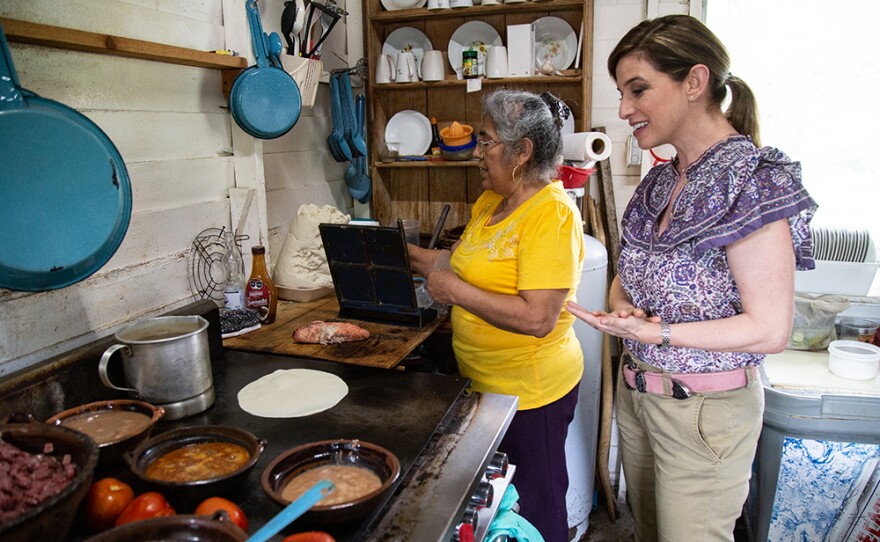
264,101
65,195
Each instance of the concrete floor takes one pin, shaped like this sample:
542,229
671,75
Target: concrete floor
601,529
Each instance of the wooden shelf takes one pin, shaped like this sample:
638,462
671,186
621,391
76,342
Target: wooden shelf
423,188
475,11
506,81
404,164
80,40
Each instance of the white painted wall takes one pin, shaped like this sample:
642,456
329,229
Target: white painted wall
184,153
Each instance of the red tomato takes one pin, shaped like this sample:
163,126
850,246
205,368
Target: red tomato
212,504
145,506
310,536
106,499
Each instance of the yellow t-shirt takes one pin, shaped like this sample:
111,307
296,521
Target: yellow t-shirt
540,246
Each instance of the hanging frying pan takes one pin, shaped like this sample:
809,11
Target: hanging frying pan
265,101
65,195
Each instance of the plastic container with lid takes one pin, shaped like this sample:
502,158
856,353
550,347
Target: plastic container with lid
853,359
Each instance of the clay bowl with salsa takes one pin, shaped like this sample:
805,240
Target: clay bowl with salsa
59,495
190,464
363,474
116,426
215,528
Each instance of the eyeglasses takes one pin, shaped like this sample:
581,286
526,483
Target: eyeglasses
486,143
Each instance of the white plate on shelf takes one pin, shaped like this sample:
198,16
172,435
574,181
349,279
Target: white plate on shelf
397,5
407,38
412,130
475,35
556,41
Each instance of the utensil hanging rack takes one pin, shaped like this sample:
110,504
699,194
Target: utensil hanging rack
92,42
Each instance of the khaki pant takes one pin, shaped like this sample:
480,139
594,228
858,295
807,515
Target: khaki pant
687,462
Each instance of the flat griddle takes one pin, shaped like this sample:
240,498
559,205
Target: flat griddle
394,409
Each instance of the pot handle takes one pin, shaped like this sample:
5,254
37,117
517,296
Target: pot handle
10,88
102,367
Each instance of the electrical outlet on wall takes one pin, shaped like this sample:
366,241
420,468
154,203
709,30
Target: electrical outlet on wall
633,152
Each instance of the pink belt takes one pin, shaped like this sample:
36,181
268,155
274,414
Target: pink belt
683,385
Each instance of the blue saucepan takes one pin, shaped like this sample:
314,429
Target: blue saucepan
264,101
65,195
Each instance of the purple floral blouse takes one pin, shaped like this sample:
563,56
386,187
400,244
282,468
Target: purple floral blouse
734,189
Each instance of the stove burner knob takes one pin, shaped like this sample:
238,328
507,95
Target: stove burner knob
497,467
468,525
483,496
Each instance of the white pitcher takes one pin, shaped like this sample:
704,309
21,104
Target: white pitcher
406,67
385,70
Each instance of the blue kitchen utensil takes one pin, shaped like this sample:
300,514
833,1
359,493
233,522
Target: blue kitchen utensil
358,145
363,189
292,511
264,101
341,145
275,48
65,194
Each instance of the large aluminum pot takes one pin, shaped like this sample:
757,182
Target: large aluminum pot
166,361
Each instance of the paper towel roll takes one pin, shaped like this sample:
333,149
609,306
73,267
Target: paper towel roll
586,146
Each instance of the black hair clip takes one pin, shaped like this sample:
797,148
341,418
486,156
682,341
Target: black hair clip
557,107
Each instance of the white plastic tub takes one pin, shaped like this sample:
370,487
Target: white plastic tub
853,359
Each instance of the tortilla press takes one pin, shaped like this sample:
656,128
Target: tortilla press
372,274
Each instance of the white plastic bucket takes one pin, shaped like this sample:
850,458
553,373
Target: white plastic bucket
853,359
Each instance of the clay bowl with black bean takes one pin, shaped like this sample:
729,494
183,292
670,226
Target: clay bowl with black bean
364,475
116,426
54,467
190,464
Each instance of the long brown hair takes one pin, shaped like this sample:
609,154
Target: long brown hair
676,43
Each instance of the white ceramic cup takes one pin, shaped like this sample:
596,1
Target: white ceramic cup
438,4
496,62
385,70
433,66
461,3
406,67
490,2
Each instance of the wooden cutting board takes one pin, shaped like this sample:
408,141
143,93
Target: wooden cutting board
387,346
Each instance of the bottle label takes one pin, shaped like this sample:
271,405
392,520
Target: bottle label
257,298
233,299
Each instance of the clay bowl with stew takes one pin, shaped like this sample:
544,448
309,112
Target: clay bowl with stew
190,464
53,517
214,528
364,475
116,426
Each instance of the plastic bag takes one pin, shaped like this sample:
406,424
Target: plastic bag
813,324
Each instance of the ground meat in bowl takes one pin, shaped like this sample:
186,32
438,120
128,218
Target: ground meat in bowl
26,480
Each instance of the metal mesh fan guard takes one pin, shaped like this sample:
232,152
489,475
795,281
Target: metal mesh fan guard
207,263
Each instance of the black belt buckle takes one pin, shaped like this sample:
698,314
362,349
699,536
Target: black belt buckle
679,390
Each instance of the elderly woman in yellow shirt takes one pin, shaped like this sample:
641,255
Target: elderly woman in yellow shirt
518,262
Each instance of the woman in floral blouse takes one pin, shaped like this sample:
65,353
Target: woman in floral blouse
710,244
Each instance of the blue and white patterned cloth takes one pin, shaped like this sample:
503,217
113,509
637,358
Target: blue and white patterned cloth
683,275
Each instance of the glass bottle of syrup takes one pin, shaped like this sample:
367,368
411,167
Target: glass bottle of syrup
260,292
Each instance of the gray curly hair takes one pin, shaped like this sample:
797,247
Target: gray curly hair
518,115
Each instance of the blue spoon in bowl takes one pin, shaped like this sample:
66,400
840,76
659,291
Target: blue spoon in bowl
292,511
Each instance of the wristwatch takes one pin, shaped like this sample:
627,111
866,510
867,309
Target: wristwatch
664,327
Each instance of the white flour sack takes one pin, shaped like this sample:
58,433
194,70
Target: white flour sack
302,262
